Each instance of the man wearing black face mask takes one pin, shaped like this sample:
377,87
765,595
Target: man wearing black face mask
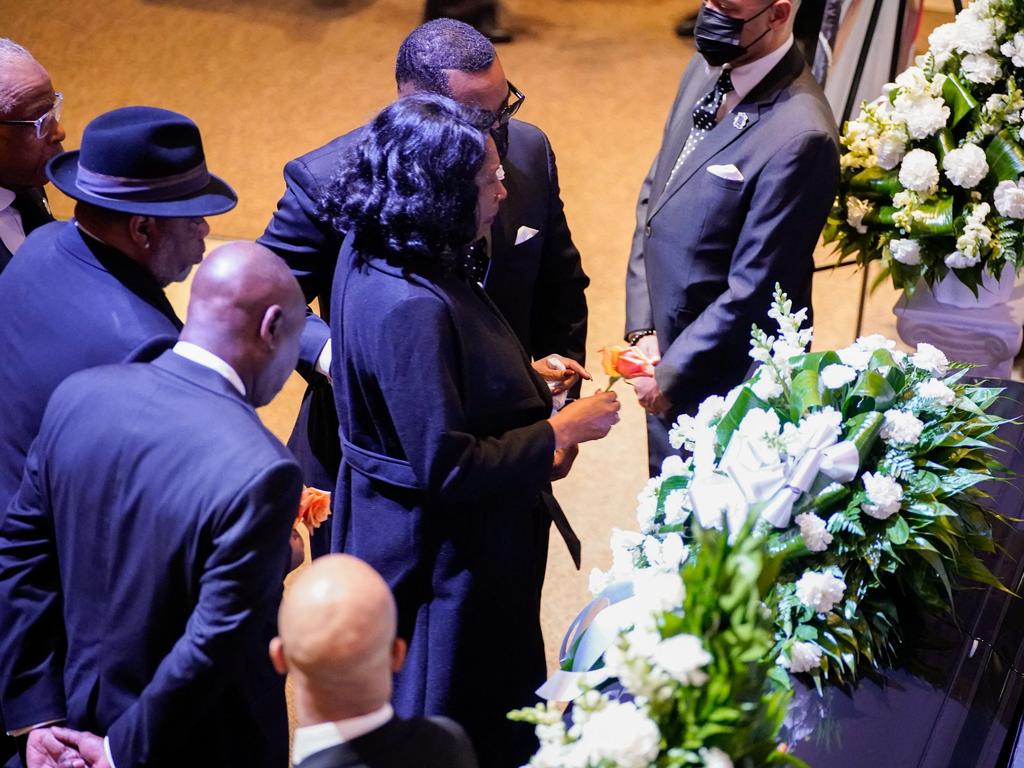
732,205
529,265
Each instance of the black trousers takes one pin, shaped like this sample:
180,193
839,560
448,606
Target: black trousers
475,12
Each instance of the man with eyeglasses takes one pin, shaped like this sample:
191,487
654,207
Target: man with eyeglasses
529,266
30,134
733,204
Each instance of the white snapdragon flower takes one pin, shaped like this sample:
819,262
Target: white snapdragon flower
891,149
931,359
667,553
674,466
905,251
901,427
677,507
704,458
1009,199
1014,49
856,210
710,410
966,166
981,68
820,591
936,392
714,757
919,172
682,431
884,495
804,657
813,532
647,503
683,657
621,734
837,376
766,385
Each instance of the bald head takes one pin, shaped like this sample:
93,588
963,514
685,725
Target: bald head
247,308
336,628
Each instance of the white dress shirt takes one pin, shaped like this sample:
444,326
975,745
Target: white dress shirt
311,739
209,360
746,76
12,232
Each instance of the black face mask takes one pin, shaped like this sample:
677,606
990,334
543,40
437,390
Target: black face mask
718,36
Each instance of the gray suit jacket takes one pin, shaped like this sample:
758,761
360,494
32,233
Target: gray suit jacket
708,251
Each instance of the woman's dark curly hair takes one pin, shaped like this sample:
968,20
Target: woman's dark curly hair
408,190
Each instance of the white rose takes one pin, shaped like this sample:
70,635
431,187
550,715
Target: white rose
621,734
919,172
936,392
1009,199
901,428
837,376
931,359
966,166
677,507
812,530
714,757
981,68
820,591
905,251
892,146
884,495
958,260
683,657
855,356
856,210
804,657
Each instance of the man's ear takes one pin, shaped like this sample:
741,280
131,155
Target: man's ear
781,11
277,656
272,325
141,230
398,650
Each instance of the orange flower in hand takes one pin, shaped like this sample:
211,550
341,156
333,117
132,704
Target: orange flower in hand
314,508
625,363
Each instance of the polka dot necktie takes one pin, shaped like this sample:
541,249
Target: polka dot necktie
705,117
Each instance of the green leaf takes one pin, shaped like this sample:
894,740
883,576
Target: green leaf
730,422
944,143
805,393
876,182
1005,157
898,530
958,97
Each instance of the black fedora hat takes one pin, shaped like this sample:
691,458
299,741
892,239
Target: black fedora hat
142,160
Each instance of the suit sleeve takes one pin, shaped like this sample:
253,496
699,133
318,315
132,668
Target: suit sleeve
794,193
639,315
418,379
559,322
32,643
310,248
239,588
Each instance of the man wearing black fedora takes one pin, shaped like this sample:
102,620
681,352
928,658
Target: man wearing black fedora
89,291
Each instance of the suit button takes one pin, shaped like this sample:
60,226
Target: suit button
647,231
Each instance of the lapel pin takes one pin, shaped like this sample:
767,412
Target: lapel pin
739,122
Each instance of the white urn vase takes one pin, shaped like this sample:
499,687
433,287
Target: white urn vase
992,291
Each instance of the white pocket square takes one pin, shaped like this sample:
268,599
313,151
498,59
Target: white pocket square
525,233
730,172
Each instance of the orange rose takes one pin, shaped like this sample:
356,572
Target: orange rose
314,508
609,359
632,362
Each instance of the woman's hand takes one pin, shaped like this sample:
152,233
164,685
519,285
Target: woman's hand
561,372
589,418
564,457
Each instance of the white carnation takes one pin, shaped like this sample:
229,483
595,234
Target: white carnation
884,495
958,260
981,68
875,341
820,429
820,591
804,657
1014,49
942,43
905,251
683,657
931,359
966,166
923,115
901,427
892,146
974,34
919,172
837,376
714,757
812,530
937,392
621,734
1009,199
856,210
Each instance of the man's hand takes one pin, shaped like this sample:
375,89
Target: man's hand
45,750
563,372
88,745
564,457
648,345
649,395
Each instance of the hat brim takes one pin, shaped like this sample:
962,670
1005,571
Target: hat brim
216,197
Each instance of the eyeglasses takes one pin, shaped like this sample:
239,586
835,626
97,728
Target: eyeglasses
45,123
513,103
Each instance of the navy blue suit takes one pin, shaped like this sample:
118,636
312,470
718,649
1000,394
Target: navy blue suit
400,744
538,284
446,459
98,306
141,566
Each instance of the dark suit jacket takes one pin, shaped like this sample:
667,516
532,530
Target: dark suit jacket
36,214
708,251
447,455
66,303
418,742
538,285
141,565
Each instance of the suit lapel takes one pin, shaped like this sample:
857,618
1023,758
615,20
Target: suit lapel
679,129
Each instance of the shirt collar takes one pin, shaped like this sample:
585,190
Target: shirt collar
311,739
207,359
746,76
6,198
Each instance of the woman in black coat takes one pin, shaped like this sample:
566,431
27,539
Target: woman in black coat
447,432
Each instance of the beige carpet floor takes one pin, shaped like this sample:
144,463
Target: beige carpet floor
269,79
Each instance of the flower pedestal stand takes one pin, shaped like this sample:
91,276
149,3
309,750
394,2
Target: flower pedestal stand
989,337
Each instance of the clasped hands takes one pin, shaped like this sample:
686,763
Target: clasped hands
647,390
59,747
